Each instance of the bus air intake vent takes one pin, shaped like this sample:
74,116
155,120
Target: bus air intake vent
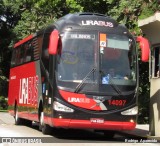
96,14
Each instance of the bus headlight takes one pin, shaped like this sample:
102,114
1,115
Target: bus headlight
131,111
60,107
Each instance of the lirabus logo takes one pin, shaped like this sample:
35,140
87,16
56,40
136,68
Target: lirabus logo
28,92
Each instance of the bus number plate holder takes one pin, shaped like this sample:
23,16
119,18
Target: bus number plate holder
97,120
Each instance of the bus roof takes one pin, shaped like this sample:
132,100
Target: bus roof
23,41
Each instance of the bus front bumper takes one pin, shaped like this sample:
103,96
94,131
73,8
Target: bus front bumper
93,124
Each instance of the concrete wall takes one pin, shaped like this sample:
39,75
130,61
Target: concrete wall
155,107
152,32
151,28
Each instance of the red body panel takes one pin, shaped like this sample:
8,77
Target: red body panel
23,85
80,100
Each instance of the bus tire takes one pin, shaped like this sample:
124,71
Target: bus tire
46,129
109,134
27,122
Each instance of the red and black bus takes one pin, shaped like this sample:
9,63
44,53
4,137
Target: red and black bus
80,72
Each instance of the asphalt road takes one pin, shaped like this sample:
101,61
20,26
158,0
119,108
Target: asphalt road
81,137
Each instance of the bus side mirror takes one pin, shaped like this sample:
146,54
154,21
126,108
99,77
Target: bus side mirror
145,48
53,42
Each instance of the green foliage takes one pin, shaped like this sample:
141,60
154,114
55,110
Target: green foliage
144,93
73,6
7,21
148,9
3,85
38,14
3,103
35,15
96,6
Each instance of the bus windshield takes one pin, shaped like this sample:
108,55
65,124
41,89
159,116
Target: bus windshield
84,66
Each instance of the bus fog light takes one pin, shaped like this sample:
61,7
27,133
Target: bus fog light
132,121
60,107
132,111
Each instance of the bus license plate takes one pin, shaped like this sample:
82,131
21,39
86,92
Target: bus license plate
98,121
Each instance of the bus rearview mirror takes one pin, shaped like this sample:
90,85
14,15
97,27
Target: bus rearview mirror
53,42
145,48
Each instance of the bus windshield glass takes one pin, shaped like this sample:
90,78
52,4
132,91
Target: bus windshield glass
84,66
118,60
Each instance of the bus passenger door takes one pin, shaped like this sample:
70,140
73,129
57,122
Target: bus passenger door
47,77
47,92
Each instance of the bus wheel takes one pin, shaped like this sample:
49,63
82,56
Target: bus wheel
46,129
109,134
18,121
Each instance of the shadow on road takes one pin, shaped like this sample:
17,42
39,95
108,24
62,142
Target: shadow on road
78,135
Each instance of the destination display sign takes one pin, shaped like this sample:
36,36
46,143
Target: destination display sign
80,36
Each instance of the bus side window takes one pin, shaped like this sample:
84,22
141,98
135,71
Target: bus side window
28,52
13,60
31,48
17,59
22,53
45,54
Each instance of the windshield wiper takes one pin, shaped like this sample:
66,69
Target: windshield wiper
79,86
114,86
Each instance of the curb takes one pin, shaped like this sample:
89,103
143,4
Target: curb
130,135
4,111
153,137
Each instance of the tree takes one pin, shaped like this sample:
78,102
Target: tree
38,14
3,103
7,21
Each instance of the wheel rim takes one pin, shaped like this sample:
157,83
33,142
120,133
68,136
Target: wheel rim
41,118
16,115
